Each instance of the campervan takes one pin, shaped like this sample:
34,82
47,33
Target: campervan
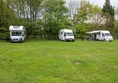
17,33
66,35
100,35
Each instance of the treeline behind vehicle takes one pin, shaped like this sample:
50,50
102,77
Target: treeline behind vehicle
44,18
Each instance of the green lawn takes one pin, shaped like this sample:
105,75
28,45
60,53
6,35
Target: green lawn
46,61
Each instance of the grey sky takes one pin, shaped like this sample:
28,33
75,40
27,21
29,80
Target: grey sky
101,2
114,3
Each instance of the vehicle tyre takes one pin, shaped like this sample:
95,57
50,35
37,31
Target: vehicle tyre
65,40
11,41
73,40
24,40
104,40
21,41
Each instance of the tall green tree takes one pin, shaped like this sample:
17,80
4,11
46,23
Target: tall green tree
107,8
34,9
27,11
108,11
7,18
54,16
88,18
80,18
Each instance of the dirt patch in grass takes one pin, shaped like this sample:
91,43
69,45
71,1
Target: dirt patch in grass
77,62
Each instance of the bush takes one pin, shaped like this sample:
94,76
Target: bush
4,33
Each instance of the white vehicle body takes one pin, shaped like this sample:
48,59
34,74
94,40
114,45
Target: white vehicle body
66,35
17,33
100,35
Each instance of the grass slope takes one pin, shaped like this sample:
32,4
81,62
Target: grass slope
59,62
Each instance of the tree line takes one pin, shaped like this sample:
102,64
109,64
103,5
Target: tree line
44,18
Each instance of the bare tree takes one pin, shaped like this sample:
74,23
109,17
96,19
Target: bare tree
116,14
73,5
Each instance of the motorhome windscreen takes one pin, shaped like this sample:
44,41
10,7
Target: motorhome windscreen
69,34
16,33
15,26
107,34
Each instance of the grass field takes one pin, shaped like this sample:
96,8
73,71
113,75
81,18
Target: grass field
46,61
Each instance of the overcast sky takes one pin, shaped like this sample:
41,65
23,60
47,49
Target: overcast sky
114,3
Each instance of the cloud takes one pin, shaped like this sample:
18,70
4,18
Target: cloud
97,2
114,3
101,2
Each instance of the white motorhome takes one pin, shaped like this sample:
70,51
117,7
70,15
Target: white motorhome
17,33
66,35
100,35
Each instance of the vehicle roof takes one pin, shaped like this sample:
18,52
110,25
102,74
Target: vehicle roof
92,32
16,28
66,30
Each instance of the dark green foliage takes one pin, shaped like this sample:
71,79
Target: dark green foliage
54,17
7,18
44,18
4,34
108,11
79,19
81,29
107,8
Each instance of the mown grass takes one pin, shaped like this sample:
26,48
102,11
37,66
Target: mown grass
42,61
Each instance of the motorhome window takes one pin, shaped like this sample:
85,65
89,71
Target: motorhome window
61,32
16,33
98,33
107,34
69,34
103,35
64,34
16,26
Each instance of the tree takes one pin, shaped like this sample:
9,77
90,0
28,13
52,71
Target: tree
108,12
72,5
89,17
80,18
116,14
116,23
81,29
54,17
27,12
107,8
116,29
7,18
95,18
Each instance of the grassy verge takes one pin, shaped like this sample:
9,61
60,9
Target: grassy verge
59,62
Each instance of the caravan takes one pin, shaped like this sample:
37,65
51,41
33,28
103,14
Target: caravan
66,35
100,35
17,33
